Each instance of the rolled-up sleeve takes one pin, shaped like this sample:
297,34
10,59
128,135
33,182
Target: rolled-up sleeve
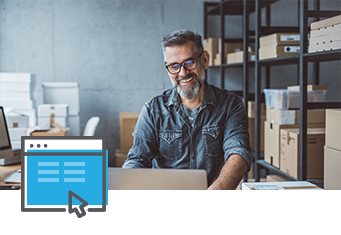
236,134
144,146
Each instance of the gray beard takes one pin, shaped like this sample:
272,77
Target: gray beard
190,91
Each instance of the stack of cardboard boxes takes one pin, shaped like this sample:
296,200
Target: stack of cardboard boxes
278,45
52,113
281,139
65,93
52,120
127,125
325,35
16,96
238,56
332,150
213,46
17,125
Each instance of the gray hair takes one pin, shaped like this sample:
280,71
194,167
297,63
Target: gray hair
181,37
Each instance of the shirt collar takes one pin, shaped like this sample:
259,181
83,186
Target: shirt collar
209,97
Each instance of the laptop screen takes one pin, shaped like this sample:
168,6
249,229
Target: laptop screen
4,139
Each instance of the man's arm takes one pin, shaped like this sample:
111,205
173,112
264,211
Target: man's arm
144,147
231,173
236,148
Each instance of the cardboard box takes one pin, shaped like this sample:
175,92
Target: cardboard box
274,51
281,117
252,111
309,87
63,121
16,133
292,117
15,77
230,46
326,22
15,95
217,60
275,178
272,142
127,125
290,152
120,157
328,46
332,169
57,130
284,185
238,57
17,104
327,38
59,110
15,119
252,133
333,29
62,93
333,128
280,39
31,113
211,45
49,132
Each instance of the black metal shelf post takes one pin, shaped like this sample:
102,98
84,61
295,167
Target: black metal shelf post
257,92
303,71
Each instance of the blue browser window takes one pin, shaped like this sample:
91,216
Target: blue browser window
50,178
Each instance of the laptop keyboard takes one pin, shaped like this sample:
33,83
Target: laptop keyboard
14,177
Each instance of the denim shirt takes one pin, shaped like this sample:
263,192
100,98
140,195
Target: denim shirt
165,138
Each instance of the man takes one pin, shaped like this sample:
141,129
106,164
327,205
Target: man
193,125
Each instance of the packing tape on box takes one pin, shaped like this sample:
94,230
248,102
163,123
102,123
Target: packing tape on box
51,119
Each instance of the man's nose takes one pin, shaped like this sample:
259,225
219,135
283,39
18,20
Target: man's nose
183,71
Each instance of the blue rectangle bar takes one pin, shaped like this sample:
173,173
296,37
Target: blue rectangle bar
74,180
48,172
63,151
48,180
74,172
48,163
74,163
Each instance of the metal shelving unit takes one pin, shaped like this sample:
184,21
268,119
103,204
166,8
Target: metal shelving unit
302,60
244,8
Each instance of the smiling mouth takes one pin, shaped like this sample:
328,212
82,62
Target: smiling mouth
186,80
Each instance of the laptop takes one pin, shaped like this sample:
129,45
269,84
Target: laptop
7,155
156,179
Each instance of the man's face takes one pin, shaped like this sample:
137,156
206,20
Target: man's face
187,83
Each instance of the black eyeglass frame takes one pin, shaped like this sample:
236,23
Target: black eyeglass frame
183,64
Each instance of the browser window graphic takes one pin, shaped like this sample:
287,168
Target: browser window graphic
59,171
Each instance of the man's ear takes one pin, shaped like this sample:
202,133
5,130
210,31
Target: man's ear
206,56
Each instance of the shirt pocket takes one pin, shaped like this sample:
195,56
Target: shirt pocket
213,138
170,144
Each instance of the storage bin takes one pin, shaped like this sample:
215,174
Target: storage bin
288,99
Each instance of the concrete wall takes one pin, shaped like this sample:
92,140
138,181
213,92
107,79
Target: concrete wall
111,48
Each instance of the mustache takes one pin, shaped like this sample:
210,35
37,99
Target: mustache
187,77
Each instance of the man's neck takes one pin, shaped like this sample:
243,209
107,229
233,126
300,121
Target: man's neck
196,101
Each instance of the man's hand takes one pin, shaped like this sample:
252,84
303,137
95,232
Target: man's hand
231,173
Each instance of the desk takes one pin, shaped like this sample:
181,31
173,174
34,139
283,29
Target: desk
6,171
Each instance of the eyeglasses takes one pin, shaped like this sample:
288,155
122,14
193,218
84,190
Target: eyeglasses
188,65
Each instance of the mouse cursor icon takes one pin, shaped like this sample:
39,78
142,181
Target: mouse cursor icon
79,210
